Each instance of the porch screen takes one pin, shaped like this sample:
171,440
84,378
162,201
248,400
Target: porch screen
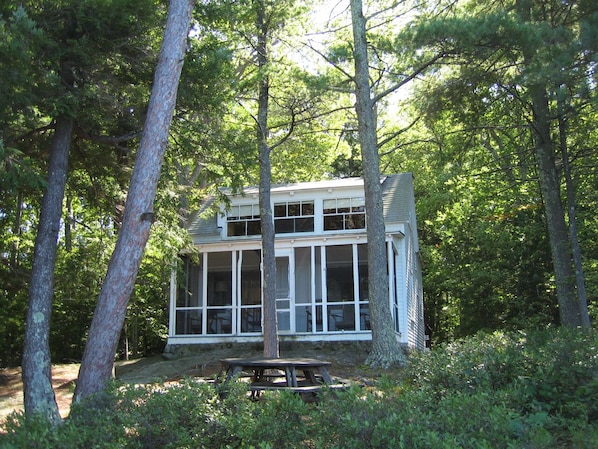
251,291
363,292
219,293
303,290
347,288
340,287
189,300
189,284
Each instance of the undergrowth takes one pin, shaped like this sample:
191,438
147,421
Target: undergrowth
503,390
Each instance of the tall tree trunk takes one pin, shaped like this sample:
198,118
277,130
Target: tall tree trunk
555,214
550,187
98,358
582,297
271,347
38,394
385,349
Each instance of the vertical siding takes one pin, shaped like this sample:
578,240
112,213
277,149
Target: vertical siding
411,295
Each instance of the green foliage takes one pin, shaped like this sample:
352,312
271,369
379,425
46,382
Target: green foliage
534,389
189,414
105,52
281,423
482,230
547,379
477,111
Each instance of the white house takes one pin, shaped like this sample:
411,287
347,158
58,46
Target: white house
321,267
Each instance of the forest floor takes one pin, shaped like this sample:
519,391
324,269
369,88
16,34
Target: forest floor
348,364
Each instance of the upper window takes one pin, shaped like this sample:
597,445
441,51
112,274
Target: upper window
243,220
344,213
296,216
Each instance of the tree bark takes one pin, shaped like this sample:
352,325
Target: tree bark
550,187
555,214
271,346
14,258
38,395
98,357
582,297
385,348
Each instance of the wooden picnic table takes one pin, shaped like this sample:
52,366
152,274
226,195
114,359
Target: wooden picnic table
301,375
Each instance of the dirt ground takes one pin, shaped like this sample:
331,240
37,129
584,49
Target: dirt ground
348,363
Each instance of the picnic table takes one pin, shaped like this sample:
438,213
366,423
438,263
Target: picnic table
300,375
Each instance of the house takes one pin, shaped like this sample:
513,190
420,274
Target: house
321,267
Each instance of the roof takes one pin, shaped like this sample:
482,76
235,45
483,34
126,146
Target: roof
397,197
303,186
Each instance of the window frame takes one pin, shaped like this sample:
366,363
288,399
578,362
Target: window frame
243,225
301,221
348,214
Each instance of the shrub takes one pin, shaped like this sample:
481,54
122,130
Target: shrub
505,390
278,421
548,380
481,362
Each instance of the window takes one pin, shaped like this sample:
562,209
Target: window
243,220
344,213
297,216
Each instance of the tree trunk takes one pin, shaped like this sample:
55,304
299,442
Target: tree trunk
271,347
14,258
98,358
555,215
582,297
558,235
385,349
38,394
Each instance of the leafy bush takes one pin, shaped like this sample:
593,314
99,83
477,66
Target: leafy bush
504,390
185,414
547,379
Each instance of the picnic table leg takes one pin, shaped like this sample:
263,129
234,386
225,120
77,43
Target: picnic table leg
309,374
325,375
291,376
232,372
255,395
227,373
